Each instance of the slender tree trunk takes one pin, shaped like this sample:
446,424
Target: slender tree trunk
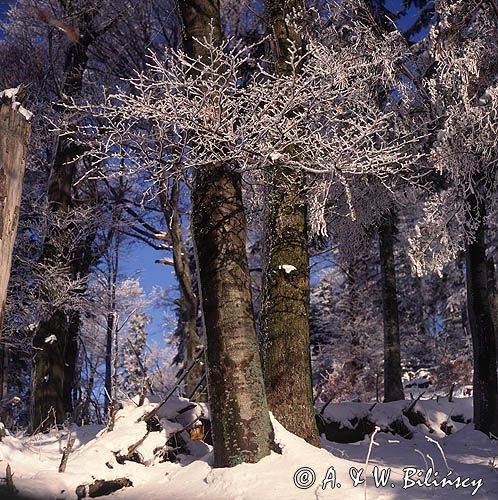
191,341
355,276
108,362
481,325
240,420
49,361
112,280
393,387
70,361
284,316
15,131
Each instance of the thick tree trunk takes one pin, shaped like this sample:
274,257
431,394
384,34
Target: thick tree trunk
284,316
240,421
15,130
482,328
191,342
393,387
49,362
47,375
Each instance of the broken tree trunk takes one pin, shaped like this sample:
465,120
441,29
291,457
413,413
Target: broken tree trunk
15,130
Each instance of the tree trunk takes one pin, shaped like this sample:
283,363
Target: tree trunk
112,280
191,342
284,316
393,387
15,131
108,362
49,362
481,325
356,277
47,376
241,425
493,292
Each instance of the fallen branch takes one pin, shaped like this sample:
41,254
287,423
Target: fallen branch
133,447
322,411
197,387
412,405
102,487
153,413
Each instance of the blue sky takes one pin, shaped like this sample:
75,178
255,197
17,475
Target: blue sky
138,261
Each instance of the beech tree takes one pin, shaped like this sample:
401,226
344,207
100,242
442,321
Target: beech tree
236,390
301,118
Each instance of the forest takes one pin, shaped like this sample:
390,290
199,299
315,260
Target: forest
310,192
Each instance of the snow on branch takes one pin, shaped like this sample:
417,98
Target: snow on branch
338,113
463,90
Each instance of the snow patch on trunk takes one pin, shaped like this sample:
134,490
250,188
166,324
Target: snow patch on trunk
287,268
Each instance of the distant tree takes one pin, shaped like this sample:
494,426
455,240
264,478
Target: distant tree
133,359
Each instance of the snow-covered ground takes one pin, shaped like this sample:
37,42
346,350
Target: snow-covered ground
35,460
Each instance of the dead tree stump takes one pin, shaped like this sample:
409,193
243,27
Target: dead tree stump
15,130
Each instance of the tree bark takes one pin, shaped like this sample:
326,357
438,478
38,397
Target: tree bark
47,375
482,328
284,316
15,131
49,404
492,291
241,425
393,387
70,361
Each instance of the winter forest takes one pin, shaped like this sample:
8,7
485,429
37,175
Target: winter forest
312,189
